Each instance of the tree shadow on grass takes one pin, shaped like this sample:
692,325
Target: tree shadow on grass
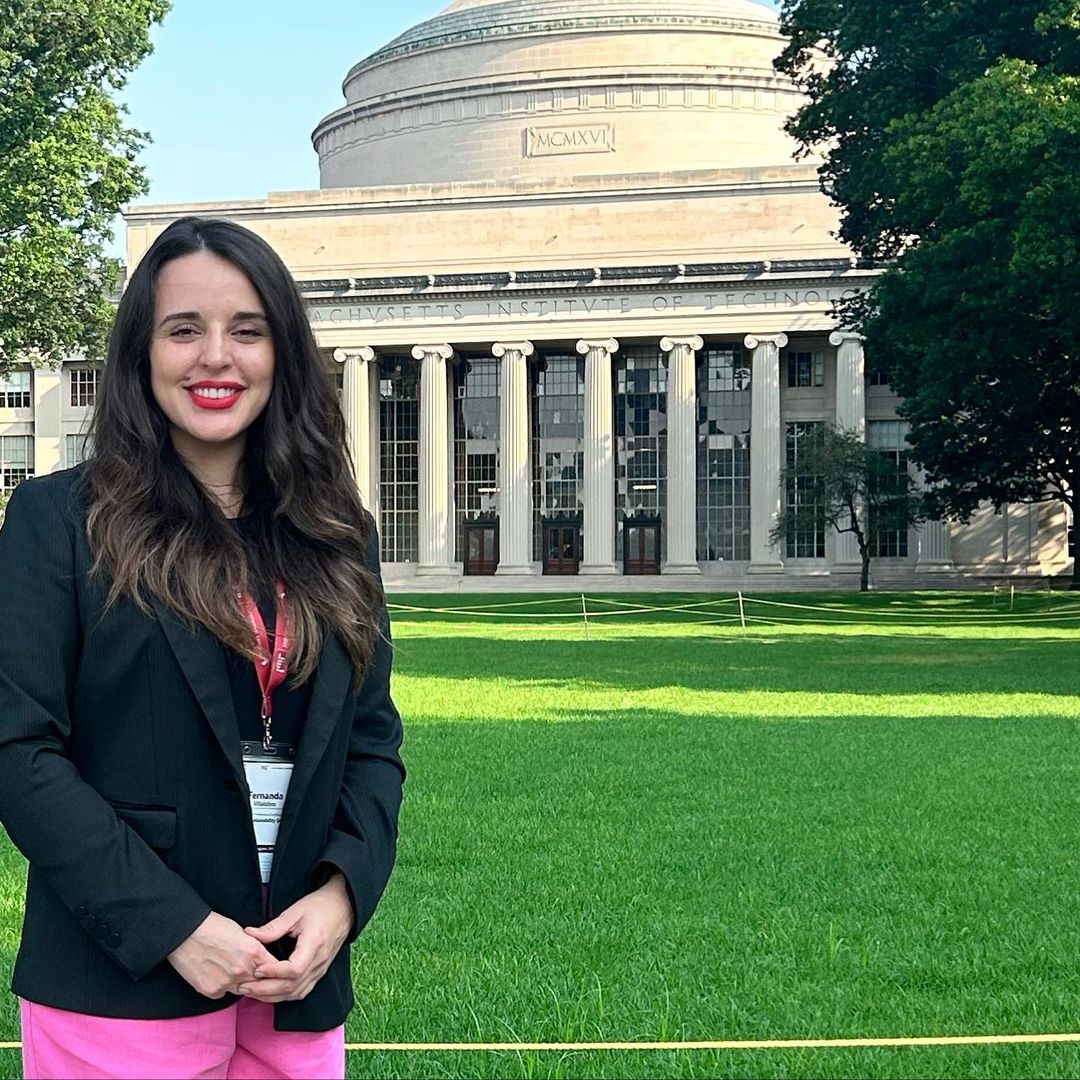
812,663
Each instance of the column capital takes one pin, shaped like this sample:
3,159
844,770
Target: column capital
587,345
752,341
694,342
364,353
439,352
522,348
841,337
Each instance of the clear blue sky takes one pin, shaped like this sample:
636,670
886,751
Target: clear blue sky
234,88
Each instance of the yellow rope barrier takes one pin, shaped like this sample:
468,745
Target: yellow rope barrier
729,1044
1069,613
719,1044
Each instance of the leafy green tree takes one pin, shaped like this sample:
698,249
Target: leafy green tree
67,165
849,487
951,136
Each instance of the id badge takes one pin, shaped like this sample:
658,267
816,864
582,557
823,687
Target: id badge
268,776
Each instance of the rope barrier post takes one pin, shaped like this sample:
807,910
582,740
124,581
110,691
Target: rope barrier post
585,615
1012,596
742,612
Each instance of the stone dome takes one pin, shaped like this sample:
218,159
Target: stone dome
533,90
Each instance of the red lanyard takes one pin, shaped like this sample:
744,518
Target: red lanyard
272,666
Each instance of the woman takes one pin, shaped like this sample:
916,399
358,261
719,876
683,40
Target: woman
198,750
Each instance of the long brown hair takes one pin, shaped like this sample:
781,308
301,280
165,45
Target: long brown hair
153,527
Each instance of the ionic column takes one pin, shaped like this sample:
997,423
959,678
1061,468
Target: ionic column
681,454
515,487
374,440
766,446
850,416
356,406
435,525
599,485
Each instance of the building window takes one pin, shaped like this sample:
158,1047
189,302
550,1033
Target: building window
558,440
807,539
723,454
889,438
640,436
16,460
335,372
77,449
877,375
84,384
337,377
399,460
15,390
476,443
805,369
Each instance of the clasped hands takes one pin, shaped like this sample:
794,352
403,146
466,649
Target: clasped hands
221,957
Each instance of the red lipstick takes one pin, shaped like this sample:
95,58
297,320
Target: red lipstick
218,401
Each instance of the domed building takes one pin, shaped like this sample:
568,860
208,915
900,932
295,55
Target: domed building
579,296
521,90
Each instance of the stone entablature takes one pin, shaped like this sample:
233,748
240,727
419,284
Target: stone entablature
723,310
632,302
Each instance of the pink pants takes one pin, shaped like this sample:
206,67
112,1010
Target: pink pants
238,1043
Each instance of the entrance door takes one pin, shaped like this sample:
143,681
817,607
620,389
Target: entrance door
481,547
562,548
641,546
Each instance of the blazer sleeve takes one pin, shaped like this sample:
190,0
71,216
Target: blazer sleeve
363,838
133,906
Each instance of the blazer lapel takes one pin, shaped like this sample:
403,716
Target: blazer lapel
333,677
202,659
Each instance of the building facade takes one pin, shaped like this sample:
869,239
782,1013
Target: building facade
579,298
44,415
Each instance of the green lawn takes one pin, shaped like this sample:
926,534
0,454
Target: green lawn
856,816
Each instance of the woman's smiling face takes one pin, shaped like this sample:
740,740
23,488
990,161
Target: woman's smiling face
211,353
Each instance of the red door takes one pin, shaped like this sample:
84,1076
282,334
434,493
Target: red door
481,547
562,549
641,547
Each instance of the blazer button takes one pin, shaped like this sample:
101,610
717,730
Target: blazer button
89,922
113,941
81,911
101,931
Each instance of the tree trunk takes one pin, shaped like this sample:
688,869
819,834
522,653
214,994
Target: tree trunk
864,550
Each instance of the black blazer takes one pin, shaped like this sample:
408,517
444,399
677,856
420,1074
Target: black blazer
121,781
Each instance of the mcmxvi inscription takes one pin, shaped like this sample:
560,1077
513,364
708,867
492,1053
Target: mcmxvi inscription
584,139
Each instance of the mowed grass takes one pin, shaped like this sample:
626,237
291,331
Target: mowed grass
856,817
